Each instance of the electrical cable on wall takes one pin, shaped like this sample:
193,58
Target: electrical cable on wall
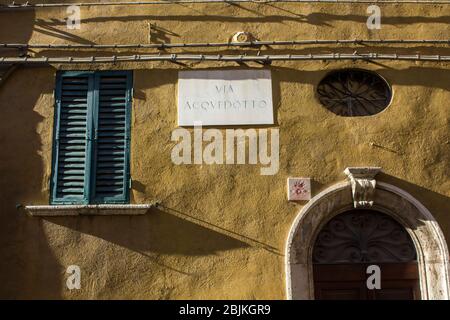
223,58
255,43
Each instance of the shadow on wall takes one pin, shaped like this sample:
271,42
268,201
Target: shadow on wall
153,234
412,76
16,26
28,267
47,28
318,19
438,204
24,23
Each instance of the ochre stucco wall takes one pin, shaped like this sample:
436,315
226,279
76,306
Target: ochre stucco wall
221,230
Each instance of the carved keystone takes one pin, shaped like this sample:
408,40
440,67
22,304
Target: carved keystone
363,184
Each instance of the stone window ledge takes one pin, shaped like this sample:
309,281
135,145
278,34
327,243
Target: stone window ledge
98,209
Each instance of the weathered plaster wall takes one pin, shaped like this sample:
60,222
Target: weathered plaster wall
222,229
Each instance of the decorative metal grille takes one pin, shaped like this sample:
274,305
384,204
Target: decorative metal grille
363,237
353,92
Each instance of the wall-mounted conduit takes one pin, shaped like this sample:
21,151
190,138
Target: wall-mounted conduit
223,58
255,43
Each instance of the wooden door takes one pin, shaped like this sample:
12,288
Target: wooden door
399,281
352,241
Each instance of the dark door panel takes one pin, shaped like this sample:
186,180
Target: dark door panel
399,281
340,291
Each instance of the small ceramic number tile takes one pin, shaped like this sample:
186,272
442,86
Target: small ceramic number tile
299,189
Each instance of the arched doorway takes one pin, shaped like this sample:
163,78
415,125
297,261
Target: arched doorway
419,223
356,240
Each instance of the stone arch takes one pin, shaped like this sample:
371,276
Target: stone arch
432,252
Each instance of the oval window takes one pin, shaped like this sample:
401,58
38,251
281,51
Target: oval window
354,92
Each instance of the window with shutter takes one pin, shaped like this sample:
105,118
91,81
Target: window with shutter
111,138
92,138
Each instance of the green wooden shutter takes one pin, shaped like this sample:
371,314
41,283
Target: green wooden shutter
110,183
72,138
